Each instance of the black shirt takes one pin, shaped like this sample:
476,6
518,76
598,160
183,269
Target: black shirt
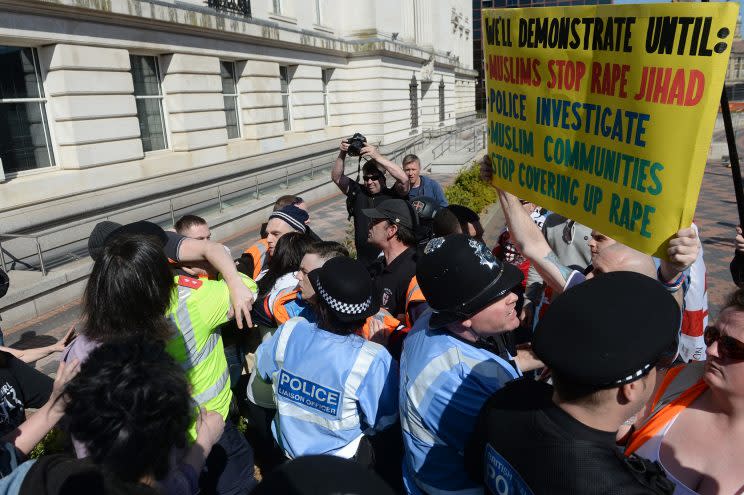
21,386
360,199
522,439
391,281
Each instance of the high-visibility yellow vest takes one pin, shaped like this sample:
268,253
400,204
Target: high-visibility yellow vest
197,309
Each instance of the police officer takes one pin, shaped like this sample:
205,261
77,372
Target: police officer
332,388
602,341
450,364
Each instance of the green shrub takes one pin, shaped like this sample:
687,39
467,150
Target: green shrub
469,190
54,442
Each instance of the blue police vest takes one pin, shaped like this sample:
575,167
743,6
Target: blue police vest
330,390
444,382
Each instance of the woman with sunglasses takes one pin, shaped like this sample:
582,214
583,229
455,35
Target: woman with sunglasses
695,428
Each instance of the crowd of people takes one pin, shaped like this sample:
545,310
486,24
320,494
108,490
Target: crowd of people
558,361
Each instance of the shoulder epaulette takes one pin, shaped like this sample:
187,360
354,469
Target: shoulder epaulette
190,282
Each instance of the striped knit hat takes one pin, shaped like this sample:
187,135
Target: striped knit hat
294,216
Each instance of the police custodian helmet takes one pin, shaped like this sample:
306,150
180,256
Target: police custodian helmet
459,276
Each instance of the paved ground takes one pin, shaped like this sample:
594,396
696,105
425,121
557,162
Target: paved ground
716,217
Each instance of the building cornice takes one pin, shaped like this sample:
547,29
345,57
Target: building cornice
204,21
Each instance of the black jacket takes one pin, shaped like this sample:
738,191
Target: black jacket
522,438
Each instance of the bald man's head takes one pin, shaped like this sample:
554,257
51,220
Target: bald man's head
621,258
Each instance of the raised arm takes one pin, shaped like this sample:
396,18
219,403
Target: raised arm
530,241
401,179
219,257
683,251
337,172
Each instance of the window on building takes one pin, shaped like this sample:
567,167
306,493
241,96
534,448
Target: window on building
326,76
149,98
286,104
413,99
230,97
441,101
25,143
318,12
277,6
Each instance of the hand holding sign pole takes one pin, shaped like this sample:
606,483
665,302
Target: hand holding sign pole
604,114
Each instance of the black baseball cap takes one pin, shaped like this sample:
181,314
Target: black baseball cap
459,276
609,330
107,230
395,210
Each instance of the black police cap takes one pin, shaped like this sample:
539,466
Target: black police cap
609,330
459,276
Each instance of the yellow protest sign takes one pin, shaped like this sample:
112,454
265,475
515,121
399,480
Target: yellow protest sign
605,113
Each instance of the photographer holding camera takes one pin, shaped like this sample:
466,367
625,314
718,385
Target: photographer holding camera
372,191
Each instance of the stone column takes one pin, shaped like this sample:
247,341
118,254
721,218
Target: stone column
422,16
407,30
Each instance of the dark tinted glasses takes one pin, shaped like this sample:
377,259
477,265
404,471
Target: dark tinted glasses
728,347
371,177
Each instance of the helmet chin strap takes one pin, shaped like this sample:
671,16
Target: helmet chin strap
491,345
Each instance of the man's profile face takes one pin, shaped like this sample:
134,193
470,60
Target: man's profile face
379,233
413,171
200,232
274,230
598,242
499,316
309,263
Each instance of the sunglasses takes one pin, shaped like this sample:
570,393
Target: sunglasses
729,347
371,177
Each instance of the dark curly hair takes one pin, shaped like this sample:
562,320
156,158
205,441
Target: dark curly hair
130,405
129,291
290,248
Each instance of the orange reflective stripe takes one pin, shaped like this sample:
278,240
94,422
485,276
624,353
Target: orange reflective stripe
413,295
669,377
389,322
259,252
657,422
279,311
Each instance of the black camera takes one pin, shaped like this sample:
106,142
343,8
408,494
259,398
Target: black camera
356,143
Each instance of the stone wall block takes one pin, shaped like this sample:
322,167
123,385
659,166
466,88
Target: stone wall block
79,132
197,121
63,56
200,102
181,63
92,155
92,106
189,141
192,83
85,82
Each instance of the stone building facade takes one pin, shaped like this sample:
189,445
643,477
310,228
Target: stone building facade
103,102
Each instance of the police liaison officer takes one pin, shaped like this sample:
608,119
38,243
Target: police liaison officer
603,341
332,388
450,365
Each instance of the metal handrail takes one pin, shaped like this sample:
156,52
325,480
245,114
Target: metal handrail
417,142
38,250
446,145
